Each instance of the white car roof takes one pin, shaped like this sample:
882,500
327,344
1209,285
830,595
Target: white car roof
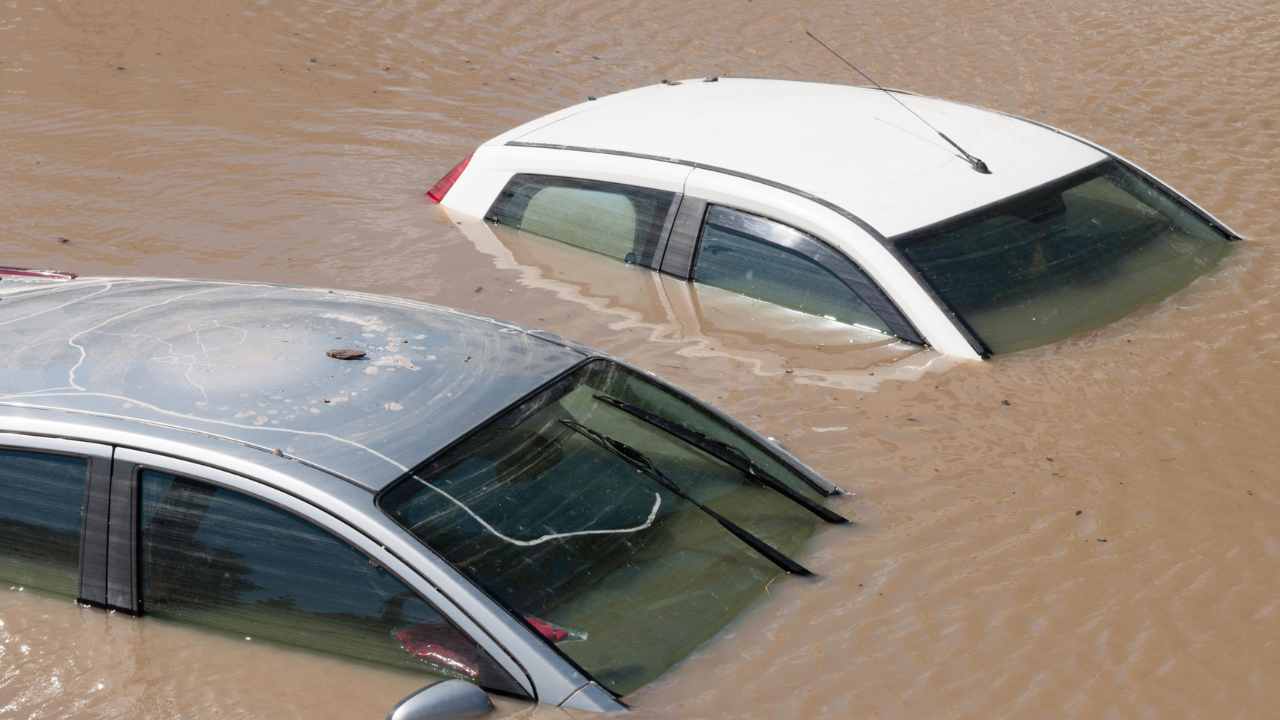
851,146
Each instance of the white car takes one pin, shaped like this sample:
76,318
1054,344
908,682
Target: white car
970,231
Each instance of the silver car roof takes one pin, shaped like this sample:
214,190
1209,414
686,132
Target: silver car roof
248,364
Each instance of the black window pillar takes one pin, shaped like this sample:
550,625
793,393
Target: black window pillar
93,537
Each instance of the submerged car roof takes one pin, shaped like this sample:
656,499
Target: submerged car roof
852,146
249,364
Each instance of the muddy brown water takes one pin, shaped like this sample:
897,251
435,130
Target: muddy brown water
1083,530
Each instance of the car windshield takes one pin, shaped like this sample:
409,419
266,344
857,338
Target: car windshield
1073,255
621,574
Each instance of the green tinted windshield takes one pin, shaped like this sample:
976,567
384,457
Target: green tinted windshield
1071,256
625,577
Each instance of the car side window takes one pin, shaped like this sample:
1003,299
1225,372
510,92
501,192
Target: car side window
764,259
622,221
41,511
221,559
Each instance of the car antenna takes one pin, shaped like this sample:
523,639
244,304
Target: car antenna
974,162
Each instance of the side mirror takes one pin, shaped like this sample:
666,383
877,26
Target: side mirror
445,700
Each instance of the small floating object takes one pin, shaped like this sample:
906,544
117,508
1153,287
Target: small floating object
346,354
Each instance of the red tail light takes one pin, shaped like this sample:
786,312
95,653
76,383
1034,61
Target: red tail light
441,188
28,272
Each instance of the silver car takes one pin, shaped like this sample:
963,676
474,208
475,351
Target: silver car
384,480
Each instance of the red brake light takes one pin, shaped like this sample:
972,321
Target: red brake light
28,272
441,188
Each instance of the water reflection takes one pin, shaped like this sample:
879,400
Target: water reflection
976,584
700,321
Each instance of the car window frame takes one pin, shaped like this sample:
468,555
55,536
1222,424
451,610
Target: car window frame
766,445
994,208
935,304
897,242
126,543
675,252
651,261
92,561
805,245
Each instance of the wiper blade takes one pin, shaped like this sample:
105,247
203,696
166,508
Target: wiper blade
639,461
727,454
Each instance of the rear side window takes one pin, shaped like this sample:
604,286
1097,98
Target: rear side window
760,258
221,559
622,221
41,510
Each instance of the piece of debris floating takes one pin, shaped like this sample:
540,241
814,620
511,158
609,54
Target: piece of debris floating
345,354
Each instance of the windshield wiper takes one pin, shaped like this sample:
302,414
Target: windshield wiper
639,461
727,454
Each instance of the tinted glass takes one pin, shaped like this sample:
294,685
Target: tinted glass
1075,255
760,258
220,559
621,221
41,510
625,577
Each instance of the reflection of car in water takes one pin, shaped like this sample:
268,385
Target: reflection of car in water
701,321
457,496
832,201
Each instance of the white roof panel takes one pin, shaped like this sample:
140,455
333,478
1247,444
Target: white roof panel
852,146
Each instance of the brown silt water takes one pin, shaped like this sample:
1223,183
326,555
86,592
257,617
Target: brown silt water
1087,529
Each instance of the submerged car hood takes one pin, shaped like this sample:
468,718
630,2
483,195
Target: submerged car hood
251,363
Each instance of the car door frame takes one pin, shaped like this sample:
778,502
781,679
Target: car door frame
125,538
806,247
675,251
535,665
492,167
92,564
696,185
856,241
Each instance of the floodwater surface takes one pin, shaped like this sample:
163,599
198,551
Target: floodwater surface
1087,529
